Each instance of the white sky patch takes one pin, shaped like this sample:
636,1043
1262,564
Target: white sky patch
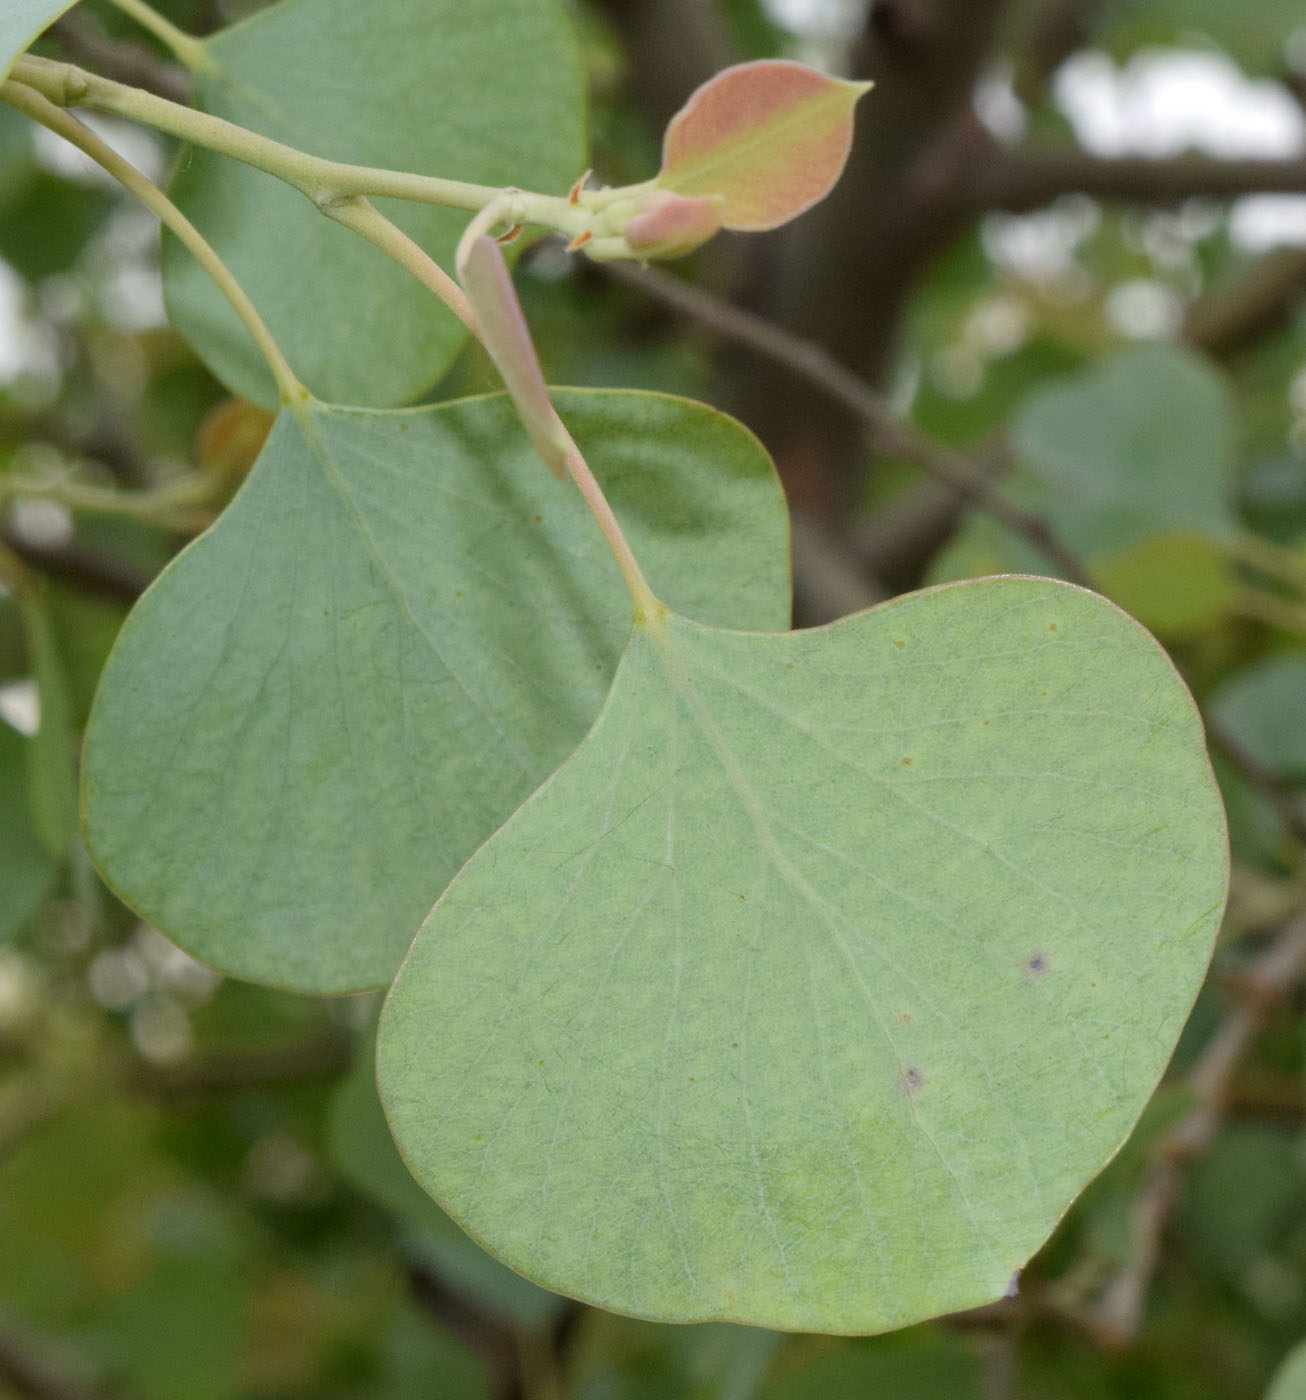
134,144
1263,221
998,107
1163,102
1144,309
27,346
20,705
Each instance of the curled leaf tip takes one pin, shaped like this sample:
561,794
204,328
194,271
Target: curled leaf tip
769,138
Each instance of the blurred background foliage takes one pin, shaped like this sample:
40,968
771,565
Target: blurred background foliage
1059,296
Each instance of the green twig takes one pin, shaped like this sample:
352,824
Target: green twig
185,47
325,182
179,504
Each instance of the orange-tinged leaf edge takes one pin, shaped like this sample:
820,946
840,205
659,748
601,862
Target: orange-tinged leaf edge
770,138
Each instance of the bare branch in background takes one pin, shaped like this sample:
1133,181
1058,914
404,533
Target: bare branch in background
82,39
1028,177
34,1376
1118,1315
1235,315
961,478
86,569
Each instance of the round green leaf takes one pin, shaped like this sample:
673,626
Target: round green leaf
482,90
811,990
1143,442
1265,705
21,22
397,630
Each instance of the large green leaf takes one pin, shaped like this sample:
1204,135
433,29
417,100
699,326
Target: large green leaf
399,628
21,21
815,985
482,90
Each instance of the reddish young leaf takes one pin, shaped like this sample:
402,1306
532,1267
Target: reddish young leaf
671,225
769,138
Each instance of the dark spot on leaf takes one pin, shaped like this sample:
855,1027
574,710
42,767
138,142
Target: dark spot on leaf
905,1017
537,518
742,898
692,1080
906,763
789,665
734,1045
1052,626
912,1079
899,644
986,722
1037,964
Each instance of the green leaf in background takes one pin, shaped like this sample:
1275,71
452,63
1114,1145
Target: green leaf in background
826,954
1131,462
923,1364
21,21
1254,32
362,1148
397,630
1290,1378
1265,705
1141,443
621,1358
26,867
498,101
52,786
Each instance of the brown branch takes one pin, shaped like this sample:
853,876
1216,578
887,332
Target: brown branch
1023,178
320,1056
492,1340
83,40
962,477
84,568
1117,1316
1238,313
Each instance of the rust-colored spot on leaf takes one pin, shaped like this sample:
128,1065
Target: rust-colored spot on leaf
770,138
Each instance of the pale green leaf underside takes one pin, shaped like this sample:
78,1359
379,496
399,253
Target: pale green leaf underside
831,967
416,85
21,21
399,628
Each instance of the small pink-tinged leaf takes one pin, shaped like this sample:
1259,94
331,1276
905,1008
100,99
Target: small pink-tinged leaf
769,138
671,225
505,334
